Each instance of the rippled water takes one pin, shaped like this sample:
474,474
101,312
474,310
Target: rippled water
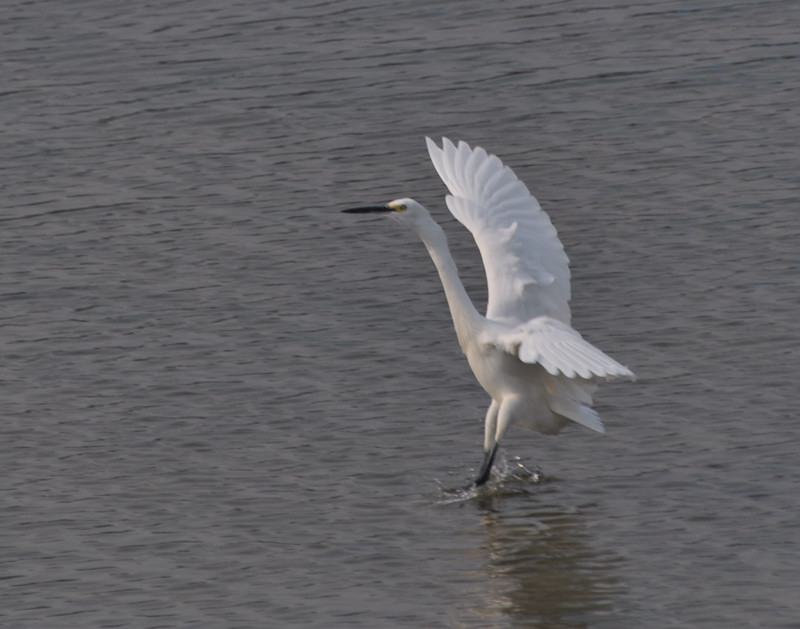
225,404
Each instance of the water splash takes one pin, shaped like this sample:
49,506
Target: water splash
509,476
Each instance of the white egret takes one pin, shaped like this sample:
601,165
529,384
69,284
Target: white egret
538,370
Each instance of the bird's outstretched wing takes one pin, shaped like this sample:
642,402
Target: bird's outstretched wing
559,349
527,271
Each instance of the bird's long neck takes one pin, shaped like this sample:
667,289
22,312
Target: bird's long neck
466,318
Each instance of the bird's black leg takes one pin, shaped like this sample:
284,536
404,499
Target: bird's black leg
486,465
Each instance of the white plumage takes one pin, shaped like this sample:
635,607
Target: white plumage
537,369
526,268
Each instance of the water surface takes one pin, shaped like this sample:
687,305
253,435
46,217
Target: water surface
226,404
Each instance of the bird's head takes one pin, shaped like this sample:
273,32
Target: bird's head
404,211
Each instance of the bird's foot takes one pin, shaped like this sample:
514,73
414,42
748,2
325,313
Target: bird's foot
486,466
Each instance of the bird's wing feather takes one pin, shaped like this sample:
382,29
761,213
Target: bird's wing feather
527,271
560,350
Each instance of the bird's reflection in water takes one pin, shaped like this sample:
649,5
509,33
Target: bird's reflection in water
542,570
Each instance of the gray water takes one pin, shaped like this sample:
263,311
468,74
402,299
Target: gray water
225,404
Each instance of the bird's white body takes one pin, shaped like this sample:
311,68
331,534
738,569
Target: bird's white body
539,372
519,386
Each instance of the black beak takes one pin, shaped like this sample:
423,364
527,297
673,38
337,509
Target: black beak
368,209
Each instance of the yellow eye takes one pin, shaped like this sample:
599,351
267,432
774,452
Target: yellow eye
400,207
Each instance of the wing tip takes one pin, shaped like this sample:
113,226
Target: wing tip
621,372
590,419
579,413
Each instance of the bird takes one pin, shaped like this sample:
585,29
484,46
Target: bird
539,372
